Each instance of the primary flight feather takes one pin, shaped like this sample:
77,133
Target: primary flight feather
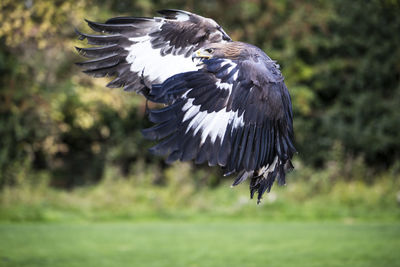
226,102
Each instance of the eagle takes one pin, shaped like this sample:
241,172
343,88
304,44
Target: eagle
223,102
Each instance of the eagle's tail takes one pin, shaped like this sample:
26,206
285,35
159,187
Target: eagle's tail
263,178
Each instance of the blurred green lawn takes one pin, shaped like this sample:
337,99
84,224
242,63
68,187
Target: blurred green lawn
200,244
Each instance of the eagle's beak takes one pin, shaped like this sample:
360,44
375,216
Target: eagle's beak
202,54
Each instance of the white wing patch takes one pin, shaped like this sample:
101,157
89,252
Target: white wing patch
232,65
191,110
182,17
225,86
213,124
149,62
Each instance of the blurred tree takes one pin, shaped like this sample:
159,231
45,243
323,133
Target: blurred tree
32,36
340,59
357,83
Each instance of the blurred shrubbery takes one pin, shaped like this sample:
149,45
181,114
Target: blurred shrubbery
341,61
309,196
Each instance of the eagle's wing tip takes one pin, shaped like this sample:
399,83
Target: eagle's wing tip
81,36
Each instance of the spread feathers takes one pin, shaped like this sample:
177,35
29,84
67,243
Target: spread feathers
226,102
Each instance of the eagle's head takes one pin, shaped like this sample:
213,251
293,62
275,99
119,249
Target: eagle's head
227,50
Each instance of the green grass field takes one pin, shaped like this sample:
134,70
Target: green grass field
200,244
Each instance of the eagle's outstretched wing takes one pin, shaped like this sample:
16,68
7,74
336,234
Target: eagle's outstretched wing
235,113
230,107
144,51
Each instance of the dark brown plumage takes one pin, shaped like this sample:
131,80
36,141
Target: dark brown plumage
226,102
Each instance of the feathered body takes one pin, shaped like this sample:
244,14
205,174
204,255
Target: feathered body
226,102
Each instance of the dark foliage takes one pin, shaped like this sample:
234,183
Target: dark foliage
340,60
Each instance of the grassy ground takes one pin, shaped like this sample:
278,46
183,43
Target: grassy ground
200,244
318,219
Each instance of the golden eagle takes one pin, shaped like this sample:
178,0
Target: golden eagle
226,102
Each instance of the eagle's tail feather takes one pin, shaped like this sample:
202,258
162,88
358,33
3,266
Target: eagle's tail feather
263,179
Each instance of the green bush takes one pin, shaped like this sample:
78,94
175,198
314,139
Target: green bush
309,195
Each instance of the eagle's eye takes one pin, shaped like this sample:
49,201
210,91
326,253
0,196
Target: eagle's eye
209,50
